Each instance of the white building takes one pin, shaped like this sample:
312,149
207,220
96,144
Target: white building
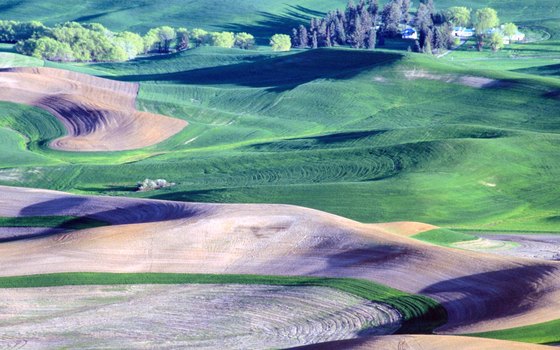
410,33
462,32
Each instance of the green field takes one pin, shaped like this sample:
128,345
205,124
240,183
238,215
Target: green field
420,314
338,130
542,333
444,237
64,222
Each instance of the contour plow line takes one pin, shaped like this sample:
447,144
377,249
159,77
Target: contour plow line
481,292
98,114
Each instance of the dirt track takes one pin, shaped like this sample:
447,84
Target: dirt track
99,114
480,291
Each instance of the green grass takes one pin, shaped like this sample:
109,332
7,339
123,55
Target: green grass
444,237
352,137
541,333
420,314
10,60
65,222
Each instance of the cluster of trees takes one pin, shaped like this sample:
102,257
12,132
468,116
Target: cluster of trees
355,26
434,29
366,24
73,41
483,20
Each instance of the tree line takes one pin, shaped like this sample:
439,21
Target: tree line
366,25
76,42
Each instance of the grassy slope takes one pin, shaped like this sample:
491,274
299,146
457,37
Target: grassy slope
444,237
352,137
336,130
65,222
421,314
542,333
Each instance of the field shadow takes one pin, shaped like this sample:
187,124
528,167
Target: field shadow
270,23
280,73
126,213
371,255
319,141
549,70
491,295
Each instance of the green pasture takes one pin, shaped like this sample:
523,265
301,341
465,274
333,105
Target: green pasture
65,222
541,333
334,129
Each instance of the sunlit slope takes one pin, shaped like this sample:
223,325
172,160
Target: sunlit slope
259,17
480,292
375,136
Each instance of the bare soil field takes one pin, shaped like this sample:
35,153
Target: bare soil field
481,292
99,114
465,80
532,246
187,316
424,342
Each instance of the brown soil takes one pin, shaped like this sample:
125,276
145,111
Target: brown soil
424,342
98,114
481,292
187,316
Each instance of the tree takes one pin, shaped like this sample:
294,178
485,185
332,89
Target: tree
484,19
280,42
244,41
314,41
427,48
416,47
200,37
423,18
46,48
160,39
371,38
458,15
131,43
510,29
222,39
391,17
405,9
303,37
183,40
295,38
496,41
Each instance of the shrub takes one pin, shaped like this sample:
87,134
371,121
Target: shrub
151,185
281,42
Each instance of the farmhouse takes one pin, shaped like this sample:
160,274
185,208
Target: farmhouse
518,36
410,33
462,32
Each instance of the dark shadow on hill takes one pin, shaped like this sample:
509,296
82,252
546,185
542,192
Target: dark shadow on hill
125,212
335,139
491,295
550,70
280,73
9,5
96,16
271,24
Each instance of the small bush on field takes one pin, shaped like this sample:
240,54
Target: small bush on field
151,185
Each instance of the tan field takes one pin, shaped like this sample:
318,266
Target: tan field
481,292
187,316
424,342
98,114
